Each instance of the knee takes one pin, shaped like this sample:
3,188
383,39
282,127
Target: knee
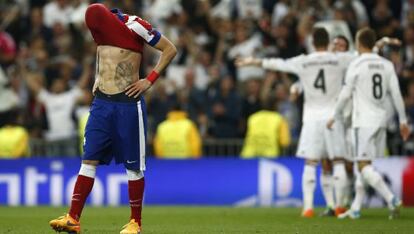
311,162
90,162
349,167
134,174
363,164
326,166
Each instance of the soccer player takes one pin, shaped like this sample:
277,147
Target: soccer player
321,79
341,44
116,126
369,80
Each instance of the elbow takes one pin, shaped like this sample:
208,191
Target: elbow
172,52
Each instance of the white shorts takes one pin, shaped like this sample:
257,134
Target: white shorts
369,143
317,141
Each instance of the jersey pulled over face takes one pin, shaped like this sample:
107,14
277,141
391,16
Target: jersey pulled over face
321,74
120,30
120,38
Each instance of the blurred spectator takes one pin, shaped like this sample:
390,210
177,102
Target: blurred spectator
14,139
250,101
57,12
267,133
35,27
246,44
8,99
59,104
177,137
225,110
7,48
160,101
191,98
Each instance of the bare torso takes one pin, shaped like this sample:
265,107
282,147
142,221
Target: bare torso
116,69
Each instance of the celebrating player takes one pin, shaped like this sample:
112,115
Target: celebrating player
116,126
321,78
369,80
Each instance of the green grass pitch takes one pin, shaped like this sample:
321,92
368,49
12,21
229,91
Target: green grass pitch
172,219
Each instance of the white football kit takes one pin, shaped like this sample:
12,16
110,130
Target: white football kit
370,80
321,77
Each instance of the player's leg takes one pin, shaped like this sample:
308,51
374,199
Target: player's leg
335,146
355,209
311,149
340,182
349,167
376,181
308,187
373,145
136,185
97,150
130,145
327,187
83,186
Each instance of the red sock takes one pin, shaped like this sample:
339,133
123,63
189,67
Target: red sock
81,191
136,193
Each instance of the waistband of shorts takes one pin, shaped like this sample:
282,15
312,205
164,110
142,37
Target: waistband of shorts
118,97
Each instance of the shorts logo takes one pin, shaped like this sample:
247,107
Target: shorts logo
131,161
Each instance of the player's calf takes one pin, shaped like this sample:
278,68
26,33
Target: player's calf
340,182
308,187
376,181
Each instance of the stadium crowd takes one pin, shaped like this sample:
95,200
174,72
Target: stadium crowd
47,61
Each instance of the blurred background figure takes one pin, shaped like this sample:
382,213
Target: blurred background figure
14,139
177,137
267,133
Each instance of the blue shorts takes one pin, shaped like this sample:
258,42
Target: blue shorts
116,130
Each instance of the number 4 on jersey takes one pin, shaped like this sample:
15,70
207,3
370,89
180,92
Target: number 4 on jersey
320,81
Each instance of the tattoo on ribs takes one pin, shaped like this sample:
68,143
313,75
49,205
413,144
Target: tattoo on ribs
123,75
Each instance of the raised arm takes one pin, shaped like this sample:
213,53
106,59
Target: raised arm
86,74
386,41
273,64
33,80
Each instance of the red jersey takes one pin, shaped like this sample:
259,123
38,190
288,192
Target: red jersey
121,30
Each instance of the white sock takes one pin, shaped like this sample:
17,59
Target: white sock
373,178
308,186
339,175
87,170
348,191
359,194
134,175
327,189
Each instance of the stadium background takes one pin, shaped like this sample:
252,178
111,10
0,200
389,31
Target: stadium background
47,41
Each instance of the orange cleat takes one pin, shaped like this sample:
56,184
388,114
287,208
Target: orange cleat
131,228
65,224
308,213
339,210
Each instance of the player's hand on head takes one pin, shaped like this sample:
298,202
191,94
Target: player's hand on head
404,131
137,88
